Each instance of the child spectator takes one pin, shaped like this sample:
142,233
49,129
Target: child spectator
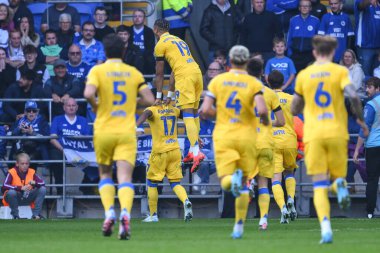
283,64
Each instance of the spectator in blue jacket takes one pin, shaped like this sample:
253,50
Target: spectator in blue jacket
92,50
284,9
177,12
31,124
367,24
302,28
337,24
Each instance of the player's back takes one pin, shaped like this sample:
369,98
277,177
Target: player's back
177,54
234,92
285,136
322,87
265,137
163,125
117,88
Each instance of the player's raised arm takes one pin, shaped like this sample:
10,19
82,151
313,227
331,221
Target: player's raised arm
147,98
144,116
356,107
262,109
208,110
297,104
280,119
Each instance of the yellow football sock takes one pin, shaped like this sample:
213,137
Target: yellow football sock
191,129
107,193
278,193
179,191
126,193
197,122
152,200
241,206
226,183
334,186
321,202
290,184
264,200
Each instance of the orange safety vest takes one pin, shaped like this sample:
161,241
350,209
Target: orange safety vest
298,127
16,181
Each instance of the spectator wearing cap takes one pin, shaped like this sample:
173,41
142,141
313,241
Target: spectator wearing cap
51,51
40,70
101,27
22,186
92,50
61,86
131,55
24,88
31,124
50,18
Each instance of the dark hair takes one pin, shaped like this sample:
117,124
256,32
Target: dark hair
275,79
50,31
324,45
113,46
220,53
28,75
100,8
373,81
31,34
277,40
140,10
122,28
255,67
87,23
162,24
29,49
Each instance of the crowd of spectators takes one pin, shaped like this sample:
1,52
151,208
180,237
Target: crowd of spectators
53,61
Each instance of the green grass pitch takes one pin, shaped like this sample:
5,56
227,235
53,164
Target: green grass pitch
200,235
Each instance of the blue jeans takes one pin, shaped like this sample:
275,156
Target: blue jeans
206,169
367,57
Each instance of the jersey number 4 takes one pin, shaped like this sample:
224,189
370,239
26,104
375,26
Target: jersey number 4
165,120
233,103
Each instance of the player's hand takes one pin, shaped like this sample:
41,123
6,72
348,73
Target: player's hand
158,101
200,143
355,157
168,101
364,127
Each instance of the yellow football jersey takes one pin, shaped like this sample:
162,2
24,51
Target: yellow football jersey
234,92
322,86
177,54
265,137
163,124
285,137
117,87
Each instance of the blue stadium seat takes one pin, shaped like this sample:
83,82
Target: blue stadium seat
85,10
37,10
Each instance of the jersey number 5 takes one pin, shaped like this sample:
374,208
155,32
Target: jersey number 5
117,91
233,103
322,98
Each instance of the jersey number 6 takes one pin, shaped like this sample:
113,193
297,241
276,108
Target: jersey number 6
322,98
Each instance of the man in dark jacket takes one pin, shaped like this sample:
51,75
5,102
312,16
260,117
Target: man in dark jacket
24,88
219,26
259,29
61,87
143,37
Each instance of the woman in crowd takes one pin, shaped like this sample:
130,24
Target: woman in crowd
350,61
6,25
29,36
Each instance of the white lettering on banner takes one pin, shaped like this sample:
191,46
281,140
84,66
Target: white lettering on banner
75,144
279,65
